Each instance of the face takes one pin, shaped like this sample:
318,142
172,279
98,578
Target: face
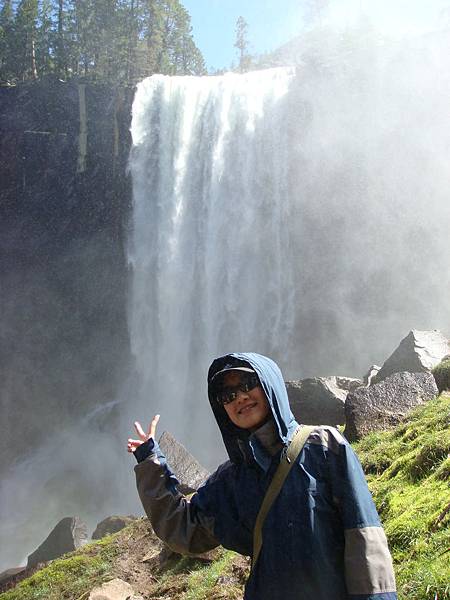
250,409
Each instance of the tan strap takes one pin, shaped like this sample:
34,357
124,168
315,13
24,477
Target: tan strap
295,447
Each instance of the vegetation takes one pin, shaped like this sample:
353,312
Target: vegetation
408,470
114,41
442,375
241,43
69,577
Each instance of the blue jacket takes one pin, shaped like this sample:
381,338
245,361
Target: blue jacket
322,538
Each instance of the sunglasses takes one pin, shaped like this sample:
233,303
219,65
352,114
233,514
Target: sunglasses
227,394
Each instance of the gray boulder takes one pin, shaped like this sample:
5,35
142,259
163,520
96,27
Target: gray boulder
418,352
187,469
320,400
68,535
110,525
384,404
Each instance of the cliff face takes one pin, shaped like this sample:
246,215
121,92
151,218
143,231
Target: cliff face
65,199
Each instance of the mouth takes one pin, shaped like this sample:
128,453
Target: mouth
247,408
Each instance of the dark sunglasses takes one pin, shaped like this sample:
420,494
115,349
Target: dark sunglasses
227,394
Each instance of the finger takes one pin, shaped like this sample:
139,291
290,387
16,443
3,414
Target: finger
141,433
133,444
152,428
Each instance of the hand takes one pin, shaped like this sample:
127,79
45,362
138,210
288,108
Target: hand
133,444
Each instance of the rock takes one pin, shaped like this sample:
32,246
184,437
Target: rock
10,573
68,535
187,469
320,400
371,373
384,404
116,589
111,524
418,352
348,383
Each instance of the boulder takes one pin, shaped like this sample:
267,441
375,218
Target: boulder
384,404
110,525
418,352
187,469
320,400
116,589
68,535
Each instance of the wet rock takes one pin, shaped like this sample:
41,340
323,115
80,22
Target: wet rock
384,404
110,525
187,469
68,535
116,589
370,375
320,400
418,352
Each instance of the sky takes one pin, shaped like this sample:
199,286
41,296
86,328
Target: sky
274,22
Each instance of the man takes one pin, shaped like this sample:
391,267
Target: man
322,538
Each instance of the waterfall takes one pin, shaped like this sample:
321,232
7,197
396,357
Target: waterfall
210,245
291,212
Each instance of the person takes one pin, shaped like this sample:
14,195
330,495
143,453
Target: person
322,537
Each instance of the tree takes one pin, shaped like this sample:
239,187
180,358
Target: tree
6,42
241,44
44,39
25,34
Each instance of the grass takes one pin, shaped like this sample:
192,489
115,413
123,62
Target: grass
408,472
70,577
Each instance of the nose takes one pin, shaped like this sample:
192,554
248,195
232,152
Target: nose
241,395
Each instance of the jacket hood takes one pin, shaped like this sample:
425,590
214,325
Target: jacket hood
239,442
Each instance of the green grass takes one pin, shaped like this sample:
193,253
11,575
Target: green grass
202,583
70,577
408,472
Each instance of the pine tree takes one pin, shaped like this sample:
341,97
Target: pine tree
44,39
25,34
6,42
241,44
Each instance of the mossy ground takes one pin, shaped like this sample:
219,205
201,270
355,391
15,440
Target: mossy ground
408,470
70,577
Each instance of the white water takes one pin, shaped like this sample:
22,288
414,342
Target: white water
298,215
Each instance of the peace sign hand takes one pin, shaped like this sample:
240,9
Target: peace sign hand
133,444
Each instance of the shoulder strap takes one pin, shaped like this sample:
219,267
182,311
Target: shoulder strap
293,451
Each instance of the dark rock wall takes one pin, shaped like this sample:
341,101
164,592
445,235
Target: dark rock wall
63,219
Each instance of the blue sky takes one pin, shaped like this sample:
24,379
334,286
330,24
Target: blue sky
273,22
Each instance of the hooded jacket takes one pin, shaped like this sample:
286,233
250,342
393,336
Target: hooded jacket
322,538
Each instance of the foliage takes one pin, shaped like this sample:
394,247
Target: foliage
442,375
408,471
69,577
113,41
241,43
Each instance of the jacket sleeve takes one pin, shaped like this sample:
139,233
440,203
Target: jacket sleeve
176,519
369,573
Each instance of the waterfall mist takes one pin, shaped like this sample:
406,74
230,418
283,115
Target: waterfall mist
297,212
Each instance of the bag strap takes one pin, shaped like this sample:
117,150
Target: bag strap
293,450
